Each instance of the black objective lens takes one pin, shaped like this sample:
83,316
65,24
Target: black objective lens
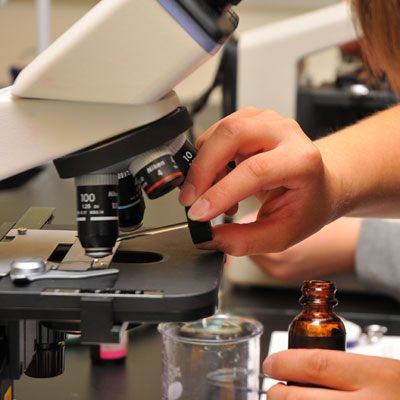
157,172
183,152
97,213
131,202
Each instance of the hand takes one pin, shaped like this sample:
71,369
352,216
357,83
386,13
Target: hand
354,377
329,251
275,161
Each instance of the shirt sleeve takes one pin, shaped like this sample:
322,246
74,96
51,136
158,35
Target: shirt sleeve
378,256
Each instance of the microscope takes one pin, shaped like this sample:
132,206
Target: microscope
99,104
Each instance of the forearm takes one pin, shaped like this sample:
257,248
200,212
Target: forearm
363,166
329,251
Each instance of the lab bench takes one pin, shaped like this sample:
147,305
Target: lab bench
140,376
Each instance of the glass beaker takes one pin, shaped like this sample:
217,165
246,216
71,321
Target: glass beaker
191,350
236,384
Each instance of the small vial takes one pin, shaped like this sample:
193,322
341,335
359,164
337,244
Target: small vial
110,353
317,326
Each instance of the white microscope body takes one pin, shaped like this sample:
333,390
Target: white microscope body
109,73
268,56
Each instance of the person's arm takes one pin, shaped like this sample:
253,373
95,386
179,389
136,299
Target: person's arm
370,247
364,161
301,185
330,251
352,376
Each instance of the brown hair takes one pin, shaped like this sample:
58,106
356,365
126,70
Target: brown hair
379,21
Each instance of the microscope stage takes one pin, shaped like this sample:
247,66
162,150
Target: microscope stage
161,277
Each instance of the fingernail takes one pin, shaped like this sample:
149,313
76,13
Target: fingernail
187,195
268,366
199,209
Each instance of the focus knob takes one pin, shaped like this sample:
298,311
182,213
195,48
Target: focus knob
49,359
47,363
24,267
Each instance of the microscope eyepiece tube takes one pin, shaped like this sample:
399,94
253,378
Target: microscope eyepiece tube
97,213
157,172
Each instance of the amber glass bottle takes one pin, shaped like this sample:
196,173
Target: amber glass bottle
317,326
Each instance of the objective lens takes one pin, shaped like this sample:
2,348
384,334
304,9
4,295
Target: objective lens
157,172
183,152
97,213
131,202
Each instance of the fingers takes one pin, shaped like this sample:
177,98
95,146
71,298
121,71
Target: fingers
277,163
263,171
247,239
352,376
330,368
244,112
232,211
233,136
271,264
283,392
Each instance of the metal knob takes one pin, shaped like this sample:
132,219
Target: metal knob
21,268
358,90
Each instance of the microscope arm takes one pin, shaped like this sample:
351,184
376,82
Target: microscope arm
123,52
33,132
